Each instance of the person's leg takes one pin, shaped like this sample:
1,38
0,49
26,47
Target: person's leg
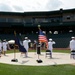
51,54
27,52
4,52
21,54
0,53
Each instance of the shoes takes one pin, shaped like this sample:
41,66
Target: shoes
51,57
25,56
0,56
5,55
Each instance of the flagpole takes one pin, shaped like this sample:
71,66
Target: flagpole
14,60
38,49
38,38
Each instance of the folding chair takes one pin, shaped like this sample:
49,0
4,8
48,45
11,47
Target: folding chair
48,53
72,54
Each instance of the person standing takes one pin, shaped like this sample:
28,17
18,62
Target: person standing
72,47
4,45
50,46
0,47
26,45
72,43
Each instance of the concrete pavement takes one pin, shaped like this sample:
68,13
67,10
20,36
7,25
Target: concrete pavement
58,58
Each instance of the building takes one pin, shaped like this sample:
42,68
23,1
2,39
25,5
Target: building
59,25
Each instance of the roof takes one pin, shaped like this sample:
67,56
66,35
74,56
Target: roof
39,13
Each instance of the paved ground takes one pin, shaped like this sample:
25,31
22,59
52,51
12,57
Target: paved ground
58,58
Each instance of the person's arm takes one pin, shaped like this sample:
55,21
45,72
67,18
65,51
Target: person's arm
54,42
70,45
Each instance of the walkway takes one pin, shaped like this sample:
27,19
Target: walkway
58,58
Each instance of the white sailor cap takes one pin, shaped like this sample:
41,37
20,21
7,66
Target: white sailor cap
4,40
26,37
50,39
72,37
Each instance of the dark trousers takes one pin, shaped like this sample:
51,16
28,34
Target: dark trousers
73,54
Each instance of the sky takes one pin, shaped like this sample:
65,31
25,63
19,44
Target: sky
35,5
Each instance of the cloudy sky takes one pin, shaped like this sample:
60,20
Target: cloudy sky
35,5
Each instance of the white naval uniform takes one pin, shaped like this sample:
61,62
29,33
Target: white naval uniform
0,46
4,44
72,48
25,44
50,46
72,45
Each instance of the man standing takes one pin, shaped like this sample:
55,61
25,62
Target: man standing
50,45
4,44
26,45
0,48
72,43
72,46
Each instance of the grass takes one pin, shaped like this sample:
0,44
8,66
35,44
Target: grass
6,69
36,70
12,51
62,51
31,50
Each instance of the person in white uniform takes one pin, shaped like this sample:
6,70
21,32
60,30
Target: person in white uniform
4,44
72,46
50,45
0,47
26,44
72,43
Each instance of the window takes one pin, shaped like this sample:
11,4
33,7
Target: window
2,19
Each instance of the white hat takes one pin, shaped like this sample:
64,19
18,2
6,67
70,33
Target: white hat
50,39
26,37
72,37
4,40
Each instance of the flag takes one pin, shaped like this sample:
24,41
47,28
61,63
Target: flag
19,43
43,38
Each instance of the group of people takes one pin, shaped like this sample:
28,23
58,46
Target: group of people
3,47
35,44
71,46
51,42
50,45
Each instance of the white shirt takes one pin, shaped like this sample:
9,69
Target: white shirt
0,46
25,44
4,45
50,45
72,45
